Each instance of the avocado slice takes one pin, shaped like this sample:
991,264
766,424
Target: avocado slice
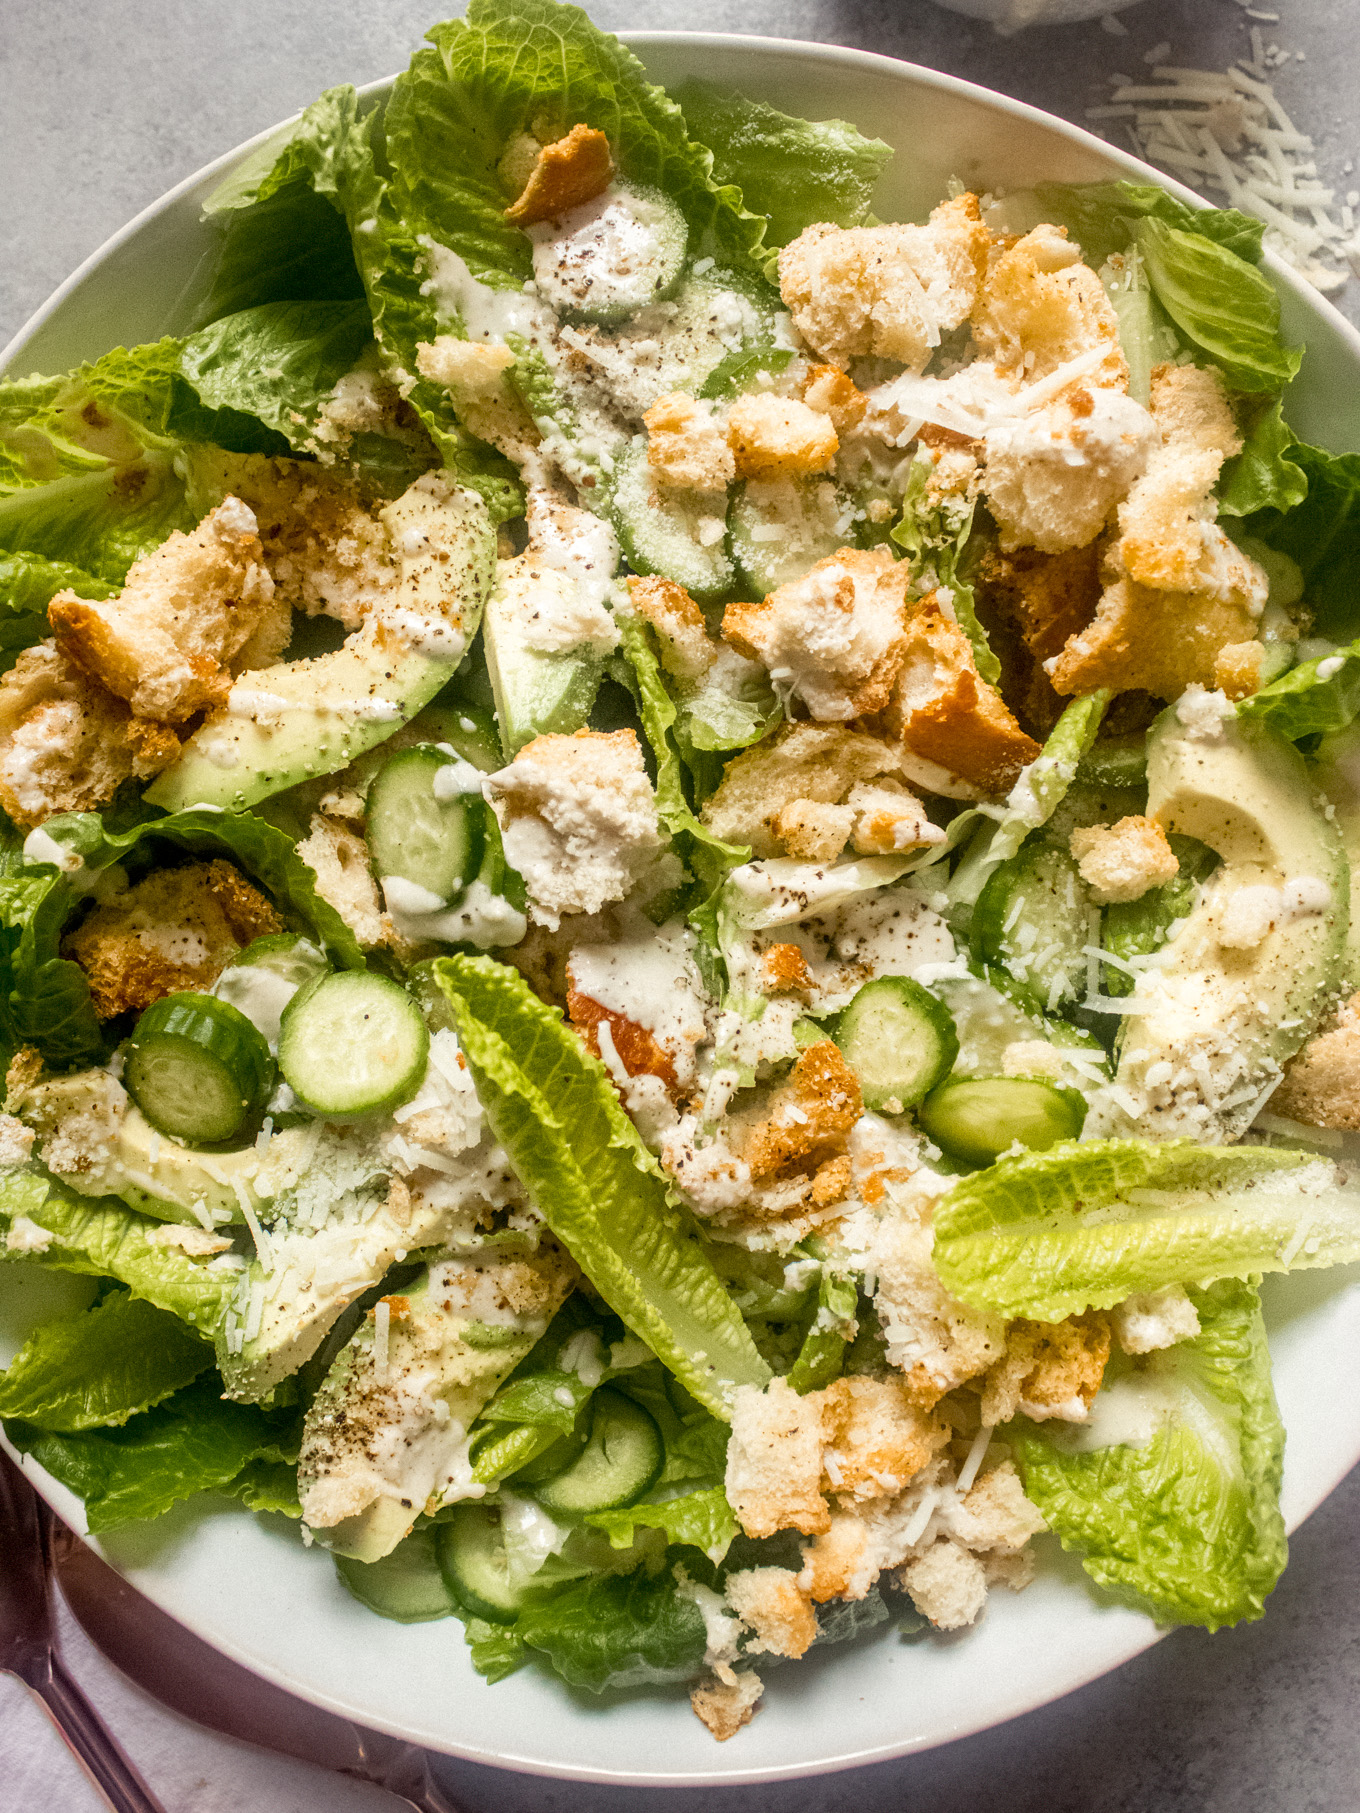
386,1440
1213,1024
537,692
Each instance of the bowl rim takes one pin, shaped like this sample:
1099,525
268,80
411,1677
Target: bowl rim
66,1504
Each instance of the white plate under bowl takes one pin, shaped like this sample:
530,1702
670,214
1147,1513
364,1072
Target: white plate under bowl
248,1586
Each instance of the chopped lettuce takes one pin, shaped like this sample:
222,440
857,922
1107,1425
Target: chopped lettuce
495,1649
934,537
1321,533
1318,696
1101,217
1224,306
1186,1525
1085,1224
618,1631
1264,475
28,584
699,1520
599,1189
44,997
101,1366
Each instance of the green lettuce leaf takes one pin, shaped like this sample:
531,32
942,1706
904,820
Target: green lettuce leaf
700,1520
495,1649
596,1185
618,1631
44,997
194,1442
1224,306
1188,1526
1101,216
1322,533
933,537
1301,702
695,1440
102,1366
1087,1223
267,1485
28,584
1264,475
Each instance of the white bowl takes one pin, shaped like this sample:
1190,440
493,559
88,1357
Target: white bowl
249,1588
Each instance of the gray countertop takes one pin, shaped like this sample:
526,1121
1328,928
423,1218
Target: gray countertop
105,104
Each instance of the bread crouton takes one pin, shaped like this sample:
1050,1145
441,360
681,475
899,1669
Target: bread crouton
725,1706
1049,1370
1166,521
339,859
889,291
686,649
832,394
835,637
803,762
944,712
567,173
1158,642
947,1585
774,1461
877,1438
636,1049
995,1514
813,831
1122,861
1148,1321
833,1182
838,1563
1038,306
176,930
578,818
1048,598
936,1340
1321,1086
888,819
1053,476
1237,669
809,1117
475,375
777,1609
67,745
784,970
163,643
778,437
685,446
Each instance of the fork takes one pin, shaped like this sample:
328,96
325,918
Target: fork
28,1648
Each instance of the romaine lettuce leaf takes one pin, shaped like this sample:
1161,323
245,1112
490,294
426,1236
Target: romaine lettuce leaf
1087,1223
1264,475
1100,217
495,1649
101,1366
700,1520
1322,533
194,1442
597,1186
44,997
28,584
933,538
618,1631
1303,702
1224,306
695,1440
1187,1526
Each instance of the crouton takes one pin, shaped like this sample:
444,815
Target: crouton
578,818
995,1514
890,291
780,1613
474,373
784,970
832,394
686,649
685,446
25,1067
176,930
1237,668
877,1438
1151,1320
838,1563
833,1182
809,1117
1159,642
947,1585
67,745
16,1142
162,644
1038,306
836,637
267,642
944,712
1053,476
1166,521
774,1461
1049,598
339,859
725,1706
888,819
567,173
813,831
1049,1370
78,1120
634,1046
1321,1086
1122,861
804,762
778,437
936,1340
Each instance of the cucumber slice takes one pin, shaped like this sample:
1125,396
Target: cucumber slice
1116,762
265,977
612,256
419,828
900,1041
622,1460
781,527
660,529
475,1566
976,1119
197,1068
352,1044
407,1585
1034,919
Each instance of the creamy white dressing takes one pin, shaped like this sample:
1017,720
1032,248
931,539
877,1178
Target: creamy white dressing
481,917
652,982
484,312
574,542
603,257
456,779
258,992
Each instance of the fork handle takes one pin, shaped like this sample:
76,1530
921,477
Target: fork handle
93,1744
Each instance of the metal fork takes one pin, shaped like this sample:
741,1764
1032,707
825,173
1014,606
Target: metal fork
28,1648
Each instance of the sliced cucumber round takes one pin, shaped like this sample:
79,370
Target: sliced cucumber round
352,1044
406,1585
899,1040
1034,919
667,531
610,257
420,828
781,527
475,1566
265,977
556,1459
976,1119
197,1068
622,1460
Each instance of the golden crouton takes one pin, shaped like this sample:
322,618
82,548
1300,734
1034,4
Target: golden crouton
67,745
838,1563
1122,861
1237,668
889,291
777,1609
637,1050
340,862
774,1461
779,437
1321,1086
686,649
685,446
809,1117
1049,598
25,1067
725,1706
1153,641
943,711
877,1438
813,831
836,636
1038,306
474,374
888,819
177,930
947,1585
573,170
936,1340
831,393
995,1514
833,1182
1049,1369
1163,521
804,762
784,971
163,643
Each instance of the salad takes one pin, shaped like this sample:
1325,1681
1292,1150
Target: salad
675,925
